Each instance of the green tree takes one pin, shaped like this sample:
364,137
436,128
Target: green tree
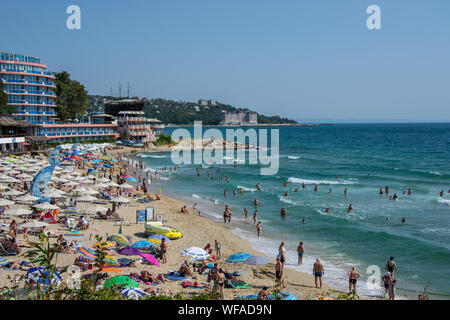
71,97
5,109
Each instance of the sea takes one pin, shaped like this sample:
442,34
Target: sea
359,157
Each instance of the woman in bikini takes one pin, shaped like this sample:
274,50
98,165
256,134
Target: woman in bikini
353,276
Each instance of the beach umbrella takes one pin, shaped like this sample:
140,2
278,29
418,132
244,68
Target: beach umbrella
4,187
80,190
104,180
107,165
4,202
18,212
238,257
120,200
134,293
4,262
75,158
41,276
159,237
142,244
13,193
257,260
53,194
196,253
110,261
120,240
74,233
45,206
26,198
150,258
34,224
123,281
87,199
129,251
88,253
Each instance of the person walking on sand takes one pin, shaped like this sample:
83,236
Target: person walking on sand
163,248
391,266
300,251
278,273
220,282
217,247
353,276
318,272
387,279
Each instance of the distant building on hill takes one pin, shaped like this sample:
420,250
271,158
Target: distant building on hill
239,117
207,103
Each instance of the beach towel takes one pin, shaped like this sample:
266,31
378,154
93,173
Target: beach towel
176,276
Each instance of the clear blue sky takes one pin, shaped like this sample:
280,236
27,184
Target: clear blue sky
300,59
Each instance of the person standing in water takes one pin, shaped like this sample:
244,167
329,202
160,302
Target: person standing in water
259,228
353,276
255,216
318,272
345,191
300,251
350,208
391,266
245,213
316,188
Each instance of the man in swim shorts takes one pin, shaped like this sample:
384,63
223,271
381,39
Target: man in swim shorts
318,272
353,276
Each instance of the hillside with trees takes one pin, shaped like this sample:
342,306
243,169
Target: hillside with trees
182,112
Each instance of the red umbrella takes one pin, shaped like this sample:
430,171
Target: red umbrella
149,258
75,157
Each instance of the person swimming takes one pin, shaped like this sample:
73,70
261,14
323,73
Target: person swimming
258,187
350,208
286,194
327,210
381,190
283,211
409,192
316,188
330,191
297,190
345,191
395,197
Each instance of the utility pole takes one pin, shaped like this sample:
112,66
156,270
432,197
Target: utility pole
120,90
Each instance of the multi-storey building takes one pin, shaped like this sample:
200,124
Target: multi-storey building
239,117
31,88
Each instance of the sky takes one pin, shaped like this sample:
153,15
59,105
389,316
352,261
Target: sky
304,60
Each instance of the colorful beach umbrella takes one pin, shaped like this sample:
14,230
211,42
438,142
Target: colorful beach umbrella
88,253
123,281
238,257
74,233
110,261
41,276
129,251
149,258
159,237
120,240
4,262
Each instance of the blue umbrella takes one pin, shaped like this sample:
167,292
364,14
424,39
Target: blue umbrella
131,179
134,293
143,244
238,257
107,165
159,237
43,277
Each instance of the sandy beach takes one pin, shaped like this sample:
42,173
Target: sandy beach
197,231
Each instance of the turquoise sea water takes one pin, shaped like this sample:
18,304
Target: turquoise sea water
362,158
